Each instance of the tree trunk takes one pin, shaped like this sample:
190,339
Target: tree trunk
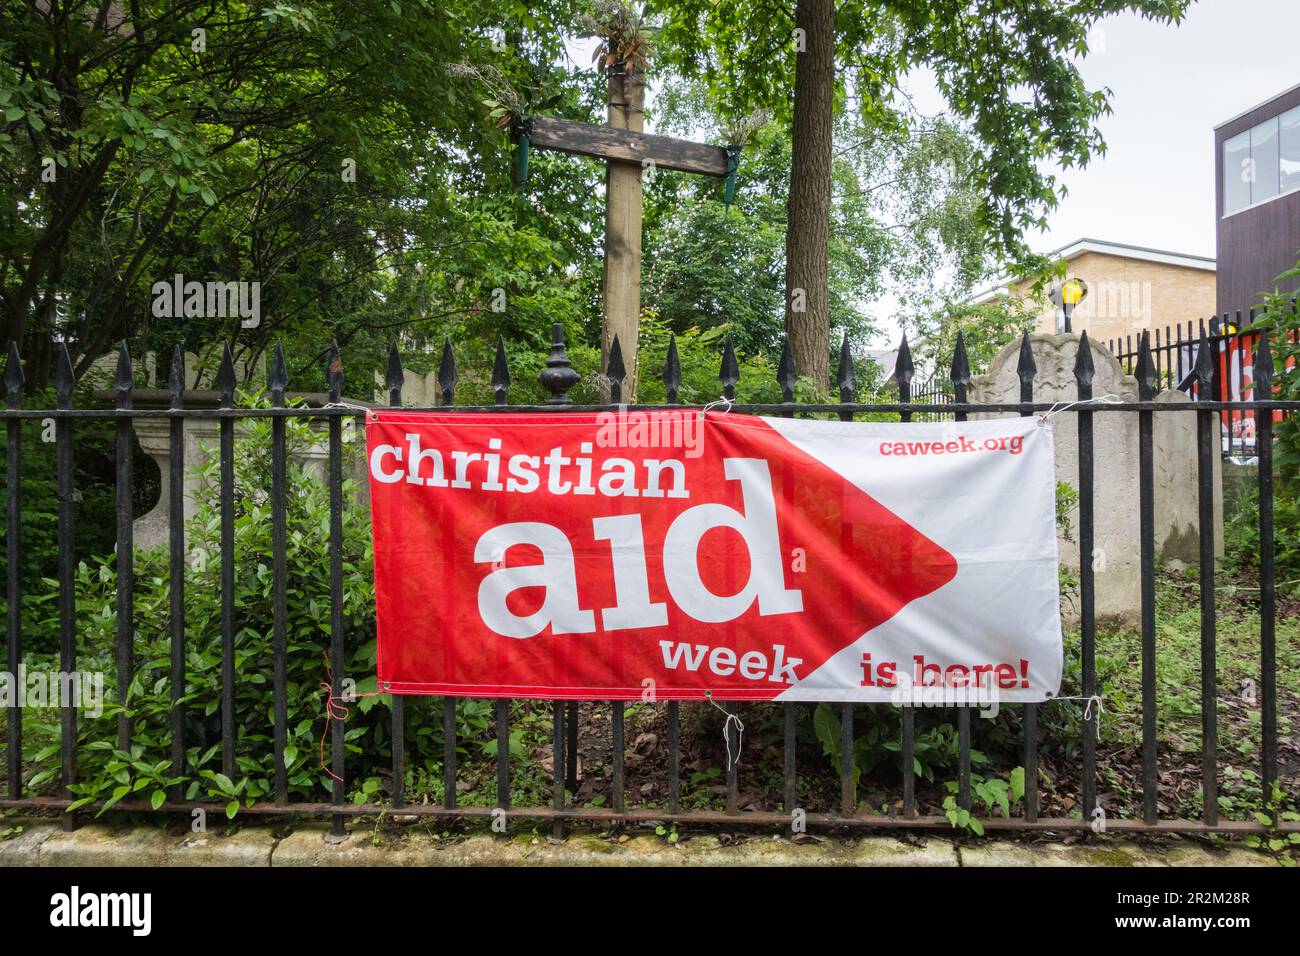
623,230
807,237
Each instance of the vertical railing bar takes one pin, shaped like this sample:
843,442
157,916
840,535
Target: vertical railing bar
733,758
500,396
1267,585
1026,370
448,375
960,377
571,746
13,555
788,746
1146,378
903,376
848,786
617,745
449,752
67,576
1178,356
502,707
848,789
279,576
557,768
1237,350
176,565
1084,371
338,662
394,379
1159,357
674,757
1263,369
226,435
125,489
672,377
615,372
1208,447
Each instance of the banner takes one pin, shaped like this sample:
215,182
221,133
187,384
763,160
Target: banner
680,554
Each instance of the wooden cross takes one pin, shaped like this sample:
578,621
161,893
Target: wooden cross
626,151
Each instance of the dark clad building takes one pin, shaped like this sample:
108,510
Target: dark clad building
1257,166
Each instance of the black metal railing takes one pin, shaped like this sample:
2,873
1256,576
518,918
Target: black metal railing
558,378
1232,344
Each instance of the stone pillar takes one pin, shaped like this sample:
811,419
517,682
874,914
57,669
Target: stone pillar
201,445
154,435
1115,443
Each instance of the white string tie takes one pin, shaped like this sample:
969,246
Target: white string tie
370,413
1096,700
1059,407
723,400
726,738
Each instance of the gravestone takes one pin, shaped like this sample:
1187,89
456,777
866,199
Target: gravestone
201,441
1117,559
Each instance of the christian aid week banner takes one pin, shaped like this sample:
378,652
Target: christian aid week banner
685,554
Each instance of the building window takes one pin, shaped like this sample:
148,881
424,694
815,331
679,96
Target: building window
1290,149
1264,159
1262,162
1237,173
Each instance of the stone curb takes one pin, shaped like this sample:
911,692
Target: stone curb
45,844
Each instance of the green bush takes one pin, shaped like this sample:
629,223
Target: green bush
1280,323
108,774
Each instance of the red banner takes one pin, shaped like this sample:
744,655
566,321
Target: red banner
681,554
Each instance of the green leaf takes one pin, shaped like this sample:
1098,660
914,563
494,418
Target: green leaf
157,799
1017,784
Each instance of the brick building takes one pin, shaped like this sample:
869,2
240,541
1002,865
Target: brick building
1131,289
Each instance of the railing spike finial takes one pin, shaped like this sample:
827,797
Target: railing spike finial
14,378
903,367
124,379
448,376
226,378
1145,370
787,374
729,373
176,376
64,377
1083,366
1026,368
844,373
614,371
558,376
278,375
1204,368
672,371
1263,379
501,373
960,373
334,373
